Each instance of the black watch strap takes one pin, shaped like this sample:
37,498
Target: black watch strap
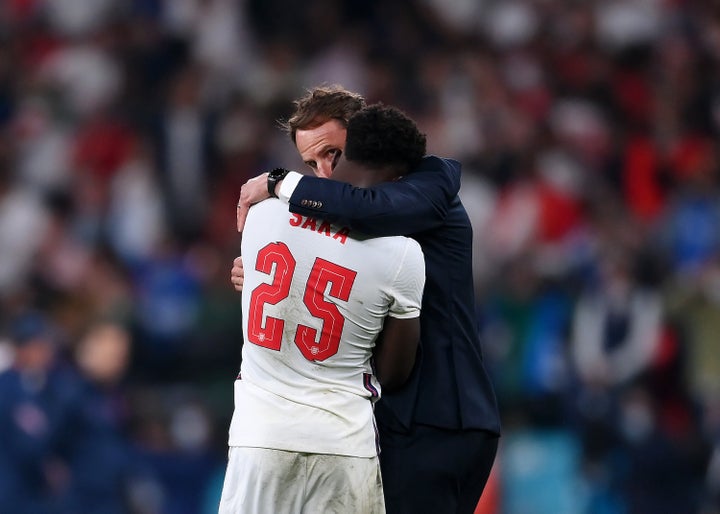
274,177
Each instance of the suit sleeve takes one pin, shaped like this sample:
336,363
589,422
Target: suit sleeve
415,203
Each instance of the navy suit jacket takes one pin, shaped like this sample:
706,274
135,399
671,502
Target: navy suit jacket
449,386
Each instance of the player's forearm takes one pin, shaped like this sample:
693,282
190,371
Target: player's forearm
395,352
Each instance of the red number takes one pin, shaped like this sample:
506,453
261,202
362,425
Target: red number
278,254
341,281
323,274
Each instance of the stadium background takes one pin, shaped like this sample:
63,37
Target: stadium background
588,134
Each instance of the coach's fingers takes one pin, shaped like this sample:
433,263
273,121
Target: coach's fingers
241,215
251,192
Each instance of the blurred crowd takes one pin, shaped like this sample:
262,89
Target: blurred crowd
588,134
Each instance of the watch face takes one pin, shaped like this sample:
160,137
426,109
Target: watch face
273,177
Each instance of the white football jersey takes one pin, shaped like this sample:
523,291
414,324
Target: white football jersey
314,299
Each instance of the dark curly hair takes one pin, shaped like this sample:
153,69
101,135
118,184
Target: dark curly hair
321,104
381,135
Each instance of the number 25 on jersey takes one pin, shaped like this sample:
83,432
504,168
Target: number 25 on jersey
323,273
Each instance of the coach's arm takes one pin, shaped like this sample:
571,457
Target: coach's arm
417,202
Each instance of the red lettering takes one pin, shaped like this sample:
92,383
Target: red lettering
324,228
341,235
310,223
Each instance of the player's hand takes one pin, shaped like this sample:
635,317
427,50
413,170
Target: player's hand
237,274
252,192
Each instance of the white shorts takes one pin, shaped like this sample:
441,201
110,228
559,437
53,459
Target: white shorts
262,481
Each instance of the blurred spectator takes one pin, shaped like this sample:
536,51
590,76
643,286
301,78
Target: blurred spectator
102,465
694,306
167,292
63,256
23,221
690,233
82,72
76,17
616,327
35,402
136,220
43,153
185,152
525,328
174,438
660,460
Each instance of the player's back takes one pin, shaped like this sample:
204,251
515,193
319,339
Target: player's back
314,299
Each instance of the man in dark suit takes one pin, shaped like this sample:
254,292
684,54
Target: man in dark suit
439,433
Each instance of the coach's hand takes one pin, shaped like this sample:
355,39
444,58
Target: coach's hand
252,192
237,274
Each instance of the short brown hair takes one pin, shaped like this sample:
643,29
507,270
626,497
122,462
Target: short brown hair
321,104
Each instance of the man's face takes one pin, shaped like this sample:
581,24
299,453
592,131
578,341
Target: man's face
321,147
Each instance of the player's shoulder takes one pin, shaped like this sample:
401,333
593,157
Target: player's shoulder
397,248
414,252
269,204
268,209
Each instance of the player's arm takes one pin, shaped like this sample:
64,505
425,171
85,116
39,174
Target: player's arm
396,347
418,201
395,351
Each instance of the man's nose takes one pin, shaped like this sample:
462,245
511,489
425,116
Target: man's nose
325,168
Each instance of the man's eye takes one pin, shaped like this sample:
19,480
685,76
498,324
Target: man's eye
335,154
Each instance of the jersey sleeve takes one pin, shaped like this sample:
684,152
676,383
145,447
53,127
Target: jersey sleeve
288,185
407,288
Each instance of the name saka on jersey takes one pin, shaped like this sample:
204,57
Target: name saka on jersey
321,227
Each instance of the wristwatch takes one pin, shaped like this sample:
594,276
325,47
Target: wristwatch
274,177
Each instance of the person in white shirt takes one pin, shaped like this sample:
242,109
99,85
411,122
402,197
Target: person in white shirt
330,318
